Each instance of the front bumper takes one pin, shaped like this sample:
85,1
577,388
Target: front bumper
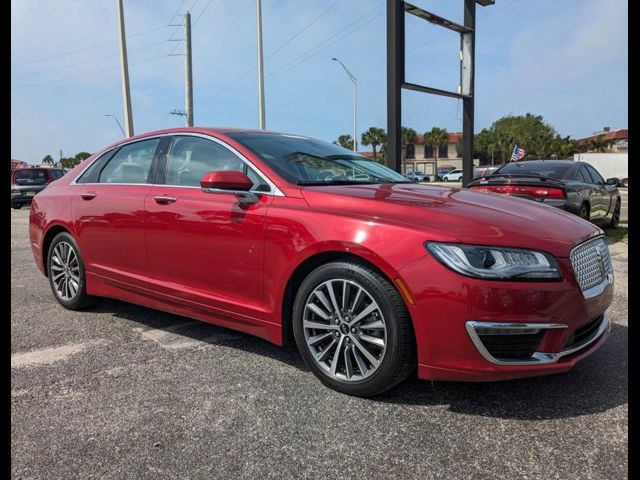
446,305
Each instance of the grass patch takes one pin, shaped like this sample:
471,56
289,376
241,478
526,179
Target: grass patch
617,234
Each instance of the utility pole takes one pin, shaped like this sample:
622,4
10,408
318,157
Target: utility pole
188,76
124,70
261,114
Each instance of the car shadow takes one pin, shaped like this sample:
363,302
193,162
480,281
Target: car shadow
597,384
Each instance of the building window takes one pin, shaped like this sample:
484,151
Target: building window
442,151
411,150
428,151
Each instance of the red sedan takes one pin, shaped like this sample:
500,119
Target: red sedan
287,237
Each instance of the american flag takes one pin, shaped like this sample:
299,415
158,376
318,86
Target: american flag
518,153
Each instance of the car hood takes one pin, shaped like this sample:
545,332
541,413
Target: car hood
459,214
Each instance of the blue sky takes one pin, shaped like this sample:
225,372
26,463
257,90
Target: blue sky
563,59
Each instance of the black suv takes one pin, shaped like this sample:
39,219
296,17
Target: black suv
27,181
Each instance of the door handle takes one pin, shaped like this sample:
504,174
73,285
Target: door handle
164,200
88,195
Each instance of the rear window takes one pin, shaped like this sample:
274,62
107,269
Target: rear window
548,170
31,176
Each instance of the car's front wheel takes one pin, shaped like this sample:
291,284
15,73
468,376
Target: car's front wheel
615,216
353,329
67,274
16,206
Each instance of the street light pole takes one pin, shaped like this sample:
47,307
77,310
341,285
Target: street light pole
353,78
118,122
261,113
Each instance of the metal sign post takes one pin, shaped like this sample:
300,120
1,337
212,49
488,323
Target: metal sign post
396,10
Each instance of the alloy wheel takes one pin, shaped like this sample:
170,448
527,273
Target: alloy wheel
65,271
345,330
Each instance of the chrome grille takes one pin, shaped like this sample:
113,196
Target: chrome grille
591,263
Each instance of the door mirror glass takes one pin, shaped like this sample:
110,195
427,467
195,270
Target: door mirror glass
612,181
226,180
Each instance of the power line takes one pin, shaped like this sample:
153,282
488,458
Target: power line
44,59
284,69
202,11
84,74
378,65
91,60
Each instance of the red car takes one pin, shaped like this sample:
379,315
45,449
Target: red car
283,236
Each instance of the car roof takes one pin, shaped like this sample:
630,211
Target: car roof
553,163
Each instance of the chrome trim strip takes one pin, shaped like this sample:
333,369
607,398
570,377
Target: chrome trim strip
275,191
538,358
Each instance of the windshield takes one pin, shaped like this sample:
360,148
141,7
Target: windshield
306,161
31,176
543,169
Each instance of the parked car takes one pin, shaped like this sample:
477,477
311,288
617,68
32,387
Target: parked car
417,177
573,186
371,278
28,181
453,176
441,173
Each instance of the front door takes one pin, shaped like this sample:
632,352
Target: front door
205,248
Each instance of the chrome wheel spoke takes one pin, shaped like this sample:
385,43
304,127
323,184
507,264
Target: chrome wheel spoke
348,364
378,342
334,302
375,325
362,366
336,357
324,353
356,301
373,306
318,311
323,299
319,326
316,339
367,354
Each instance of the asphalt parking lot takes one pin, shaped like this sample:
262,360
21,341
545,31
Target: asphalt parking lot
126,392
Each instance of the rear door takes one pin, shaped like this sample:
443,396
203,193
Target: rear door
599,197
108,205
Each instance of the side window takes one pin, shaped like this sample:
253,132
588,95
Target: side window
92,174
191,158
597,179
131,164
583,175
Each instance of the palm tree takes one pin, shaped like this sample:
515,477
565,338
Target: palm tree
436,138
374,136
599,144
47,160
345,141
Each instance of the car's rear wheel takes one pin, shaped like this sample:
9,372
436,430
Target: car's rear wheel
67,274
615,217
584,211
353,329
16,206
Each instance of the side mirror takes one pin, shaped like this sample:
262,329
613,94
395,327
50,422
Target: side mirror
229,181
613,181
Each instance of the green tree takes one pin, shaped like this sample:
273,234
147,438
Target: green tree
345,141
599,144
68,162
47,160
565,147
374,136
409,135
80,156
436,138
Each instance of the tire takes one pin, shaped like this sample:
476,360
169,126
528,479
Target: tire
16,206
584,212
389,336
445,179
69,289
615,217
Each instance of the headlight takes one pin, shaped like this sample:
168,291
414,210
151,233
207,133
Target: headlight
496,263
